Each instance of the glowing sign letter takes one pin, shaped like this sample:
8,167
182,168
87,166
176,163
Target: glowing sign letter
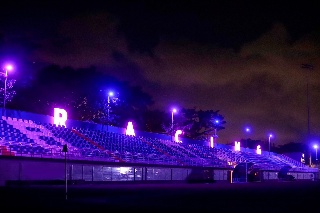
211,142
60,117
259,150
236,146
176,136
130,130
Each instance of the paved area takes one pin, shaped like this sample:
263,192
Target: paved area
213,197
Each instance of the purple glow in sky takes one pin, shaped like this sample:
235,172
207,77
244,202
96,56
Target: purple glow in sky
242,59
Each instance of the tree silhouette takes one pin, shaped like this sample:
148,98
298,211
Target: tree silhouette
10,93
79,92
200,124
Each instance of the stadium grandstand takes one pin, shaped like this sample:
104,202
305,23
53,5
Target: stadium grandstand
35,148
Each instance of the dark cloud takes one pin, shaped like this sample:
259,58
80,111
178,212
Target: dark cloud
242,58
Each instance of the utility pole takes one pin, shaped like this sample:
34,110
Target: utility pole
65,150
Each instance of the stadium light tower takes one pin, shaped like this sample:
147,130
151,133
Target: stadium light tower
248,130
216,123
316,148
174,110
110,94
7,68
270,136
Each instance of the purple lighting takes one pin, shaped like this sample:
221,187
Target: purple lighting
270,136
316,148
174,110
9,67
110,94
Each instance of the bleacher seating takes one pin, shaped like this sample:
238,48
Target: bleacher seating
31,139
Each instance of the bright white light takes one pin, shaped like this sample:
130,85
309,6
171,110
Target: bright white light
124,170
259,150
130,130
236,146
60,117
176,136
9,67
211,142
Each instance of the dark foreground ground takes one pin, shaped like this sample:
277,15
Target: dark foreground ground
213,197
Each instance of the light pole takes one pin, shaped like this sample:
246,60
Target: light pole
216,122
172,112
316,148
65,150
7,68
270,136
110,94
247,131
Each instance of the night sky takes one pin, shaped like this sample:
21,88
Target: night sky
240,57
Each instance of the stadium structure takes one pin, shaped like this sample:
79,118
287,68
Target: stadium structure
41,148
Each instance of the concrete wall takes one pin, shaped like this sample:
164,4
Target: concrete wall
48,169
15,168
